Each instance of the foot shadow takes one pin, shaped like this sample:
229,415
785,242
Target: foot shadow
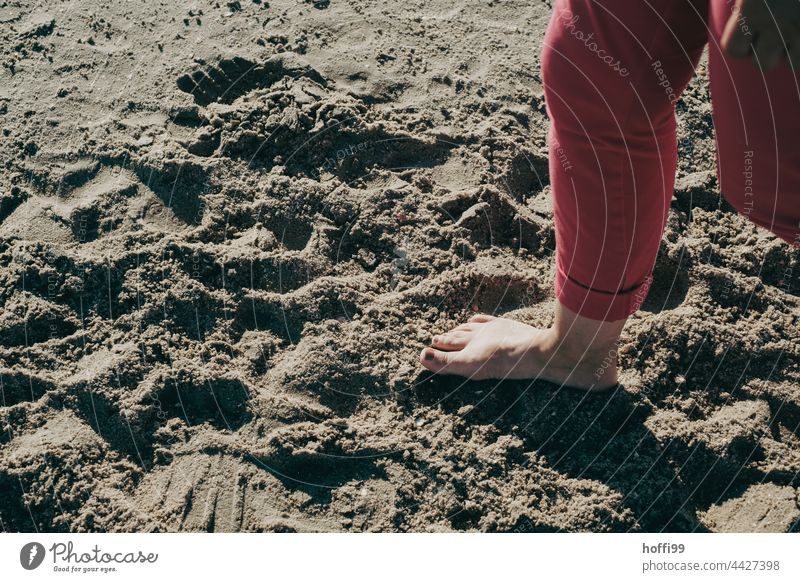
599,436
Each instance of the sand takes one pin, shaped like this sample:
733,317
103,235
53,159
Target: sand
213,300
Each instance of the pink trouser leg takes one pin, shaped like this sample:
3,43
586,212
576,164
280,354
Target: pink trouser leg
757,124
612,71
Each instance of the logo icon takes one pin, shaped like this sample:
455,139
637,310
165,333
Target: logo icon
31,555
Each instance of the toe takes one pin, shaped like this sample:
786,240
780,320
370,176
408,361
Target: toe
455,363
450,341
481,318
466,327
437,361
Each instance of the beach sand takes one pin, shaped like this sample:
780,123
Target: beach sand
213,300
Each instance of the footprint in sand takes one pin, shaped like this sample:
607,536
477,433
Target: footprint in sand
231,78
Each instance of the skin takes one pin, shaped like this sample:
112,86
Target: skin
769,30
574,350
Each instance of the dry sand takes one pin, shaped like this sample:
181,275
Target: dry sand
213,303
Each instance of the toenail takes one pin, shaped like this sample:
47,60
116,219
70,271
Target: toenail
429,355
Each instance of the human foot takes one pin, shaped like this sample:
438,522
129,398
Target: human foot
575,352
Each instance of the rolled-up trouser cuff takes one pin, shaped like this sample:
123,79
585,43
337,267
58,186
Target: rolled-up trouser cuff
599,305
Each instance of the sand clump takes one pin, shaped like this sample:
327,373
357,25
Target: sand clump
213,298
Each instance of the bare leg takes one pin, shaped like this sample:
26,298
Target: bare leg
576,351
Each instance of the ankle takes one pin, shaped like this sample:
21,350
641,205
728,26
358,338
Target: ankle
579,345
584,338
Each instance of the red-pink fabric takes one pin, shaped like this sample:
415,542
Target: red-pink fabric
612,72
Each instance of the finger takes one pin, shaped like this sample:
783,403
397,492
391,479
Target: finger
736,39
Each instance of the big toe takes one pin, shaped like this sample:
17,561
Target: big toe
440,362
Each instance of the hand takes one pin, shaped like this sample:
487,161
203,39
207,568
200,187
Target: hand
767,29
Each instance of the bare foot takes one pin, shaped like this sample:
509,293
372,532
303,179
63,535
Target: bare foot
576,351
